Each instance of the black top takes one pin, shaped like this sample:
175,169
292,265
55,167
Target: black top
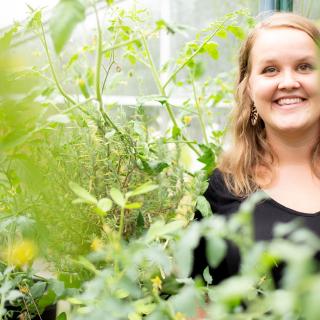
267,213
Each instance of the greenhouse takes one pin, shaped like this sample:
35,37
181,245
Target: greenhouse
159,160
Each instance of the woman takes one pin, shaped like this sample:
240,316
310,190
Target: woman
276,133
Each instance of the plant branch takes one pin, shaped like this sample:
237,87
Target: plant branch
162,91
121,224
203,127
107,71
55,77
174,73
98,59
105,117
125,43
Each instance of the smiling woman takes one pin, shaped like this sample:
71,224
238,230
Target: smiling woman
283,82
276,126
278,91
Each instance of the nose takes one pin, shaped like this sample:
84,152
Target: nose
288,81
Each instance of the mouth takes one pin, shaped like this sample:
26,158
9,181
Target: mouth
290,102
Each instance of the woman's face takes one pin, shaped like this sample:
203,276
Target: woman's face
283,82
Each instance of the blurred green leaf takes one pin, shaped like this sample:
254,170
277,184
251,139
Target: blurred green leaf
133,205
66,15
237,31
38,289
117,197
104,205
215,249
203,206
176,132
6,38
208,158
212,49
222,33
35,20
207,276
83,194
145,188
62,316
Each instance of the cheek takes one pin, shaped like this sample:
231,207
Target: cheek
312,87
261,90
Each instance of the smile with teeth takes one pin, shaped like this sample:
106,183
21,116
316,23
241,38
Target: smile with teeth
288,101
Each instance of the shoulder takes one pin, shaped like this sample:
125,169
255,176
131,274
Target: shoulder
220,198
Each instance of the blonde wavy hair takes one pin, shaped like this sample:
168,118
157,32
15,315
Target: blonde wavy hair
250,157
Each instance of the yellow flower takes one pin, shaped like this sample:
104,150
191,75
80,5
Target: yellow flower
24,289
156,284
96,244
21,253
180,316
186,120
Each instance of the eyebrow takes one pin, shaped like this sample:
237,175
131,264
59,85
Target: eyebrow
303,58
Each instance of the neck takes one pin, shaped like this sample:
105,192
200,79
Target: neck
292,149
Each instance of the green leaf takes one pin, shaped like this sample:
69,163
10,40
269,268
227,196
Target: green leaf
62,316
212,49
161,24
47,298
222,33
186,301
203,206
66,15
145,188
139,224
56,286
6,38
35,21
236,31
38,289
183,250
133,205
233,289
197,69
176,132
208,158
117,197
207,276
104,205
72,60
159,229
215,250
83,194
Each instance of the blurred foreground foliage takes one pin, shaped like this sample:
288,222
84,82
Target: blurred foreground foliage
83,177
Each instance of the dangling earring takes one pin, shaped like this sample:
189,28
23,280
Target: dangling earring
254,115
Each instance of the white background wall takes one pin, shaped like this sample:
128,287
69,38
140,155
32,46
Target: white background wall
17,10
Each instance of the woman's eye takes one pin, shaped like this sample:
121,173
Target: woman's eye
306,67
269,70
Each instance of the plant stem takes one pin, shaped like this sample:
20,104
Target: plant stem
125,43
55,77
174,73
98,59
157,80
98,74
162,90
203,128
121,224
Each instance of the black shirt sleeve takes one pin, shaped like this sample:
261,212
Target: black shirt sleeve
221,200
